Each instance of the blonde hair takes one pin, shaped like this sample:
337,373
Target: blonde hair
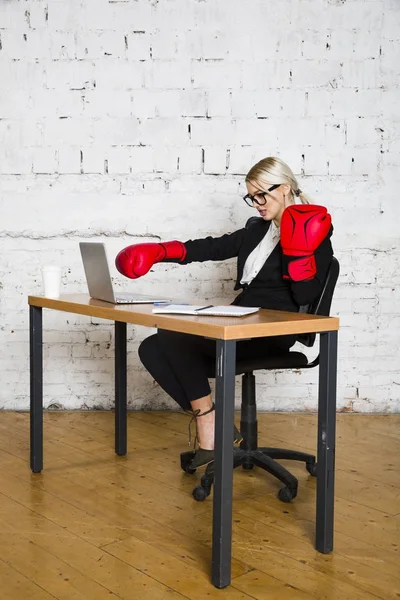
272,170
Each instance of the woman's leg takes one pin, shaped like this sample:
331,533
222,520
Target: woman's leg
205,424
182,364
192,359
155,361
155,357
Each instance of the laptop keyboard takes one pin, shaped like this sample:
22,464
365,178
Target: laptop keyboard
131,298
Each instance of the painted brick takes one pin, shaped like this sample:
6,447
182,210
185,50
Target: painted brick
193,103
16,162
190,160
218,103
165,159
138,45
165,74
141,160
215,160
167,103
100,44
117,74
93,159
119,160
216,74
44,160
69,159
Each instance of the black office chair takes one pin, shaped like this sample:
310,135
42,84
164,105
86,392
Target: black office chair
249,454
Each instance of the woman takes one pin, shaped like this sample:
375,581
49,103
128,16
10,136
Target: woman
283,260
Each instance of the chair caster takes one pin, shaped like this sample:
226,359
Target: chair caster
199,493
203,490
186,459
285,494
312,468
247,467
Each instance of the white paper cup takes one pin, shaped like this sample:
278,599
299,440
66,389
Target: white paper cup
51,281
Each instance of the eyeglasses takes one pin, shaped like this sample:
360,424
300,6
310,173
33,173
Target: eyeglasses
259,198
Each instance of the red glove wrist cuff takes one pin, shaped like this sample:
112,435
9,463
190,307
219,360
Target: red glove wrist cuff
302,269
174,250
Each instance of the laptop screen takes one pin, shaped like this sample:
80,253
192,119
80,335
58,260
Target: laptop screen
97,271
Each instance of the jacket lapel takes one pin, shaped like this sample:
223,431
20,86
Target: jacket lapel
255,234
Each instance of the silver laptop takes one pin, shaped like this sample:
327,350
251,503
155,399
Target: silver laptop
99,280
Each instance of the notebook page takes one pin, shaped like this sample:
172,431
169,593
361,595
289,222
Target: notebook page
212,311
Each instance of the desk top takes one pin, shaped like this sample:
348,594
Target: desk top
263,323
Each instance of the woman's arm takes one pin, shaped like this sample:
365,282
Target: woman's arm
214,248
305,292
307,251
136,260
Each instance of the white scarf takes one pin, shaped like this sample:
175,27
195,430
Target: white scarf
256,259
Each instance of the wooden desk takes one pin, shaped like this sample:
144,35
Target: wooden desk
226,331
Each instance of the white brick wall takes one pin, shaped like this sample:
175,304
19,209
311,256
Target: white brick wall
136,120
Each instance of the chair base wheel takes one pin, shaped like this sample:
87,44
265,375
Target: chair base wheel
312,468
285,494
199,493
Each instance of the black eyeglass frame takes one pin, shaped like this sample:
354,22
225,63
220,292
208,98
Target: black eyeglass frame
249,199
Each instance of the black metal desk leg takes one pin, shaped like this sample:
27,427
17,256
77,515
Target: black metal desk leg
120,388
326,441
224,419
36,376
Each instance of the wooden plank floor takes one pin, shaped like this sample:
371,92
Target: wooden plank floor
96,526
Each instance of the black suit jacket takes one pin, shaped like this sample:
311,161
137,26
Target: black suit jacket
268,289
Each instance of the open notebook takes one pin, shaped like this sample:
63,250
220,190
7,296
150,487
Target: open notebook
205,311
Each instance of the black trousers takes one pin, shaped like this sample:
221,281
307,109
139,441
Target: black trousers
182,363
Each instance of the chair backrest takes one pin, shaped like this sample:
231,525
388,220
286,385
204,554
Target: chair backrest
322,304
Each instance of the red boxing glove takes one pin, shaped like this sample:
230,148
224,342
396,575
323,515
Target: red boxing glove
303,228
135,261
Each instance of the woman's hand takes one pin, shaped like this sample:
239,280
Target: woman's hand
136,260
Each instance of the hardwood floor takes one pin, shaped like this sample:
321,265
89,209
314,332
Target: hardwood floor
94,526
